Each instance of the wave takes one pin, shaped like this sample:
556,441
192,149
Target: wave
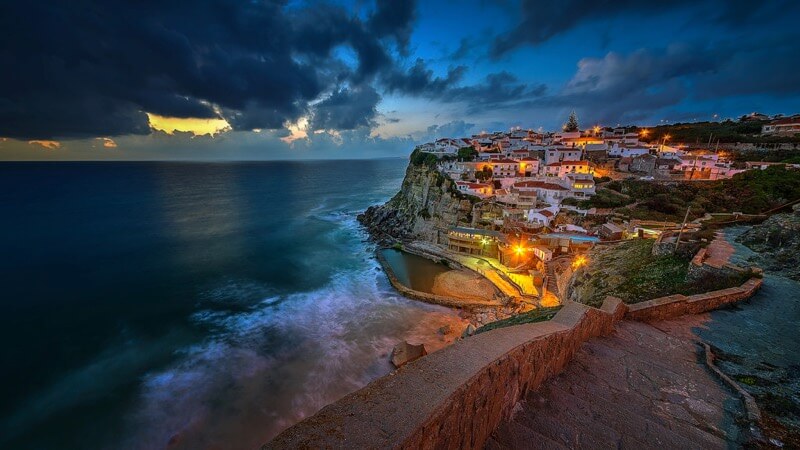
266,368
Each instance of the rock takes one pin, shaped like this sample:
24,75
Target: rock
427,203
469,331
445,330
404,353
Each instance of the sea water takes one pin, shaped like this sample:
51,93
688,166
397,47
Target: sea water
190,305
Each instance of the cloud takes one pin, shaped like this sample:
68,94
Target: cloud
420,80
50,145
624,88
347,109
500,89
541,20
97,69
454,129
107,142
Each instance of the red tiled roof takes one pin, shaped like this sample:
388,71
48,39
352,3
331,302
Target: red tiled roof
546,213
472,185
568,163
539,185
785,120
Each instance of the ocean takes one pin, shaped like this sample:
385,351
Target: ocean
191,305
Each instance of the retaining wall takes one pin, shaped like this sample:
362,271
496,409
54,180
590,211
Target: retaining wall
454,398
678,305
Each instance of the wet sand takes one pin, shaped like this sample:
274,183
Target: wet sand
465,285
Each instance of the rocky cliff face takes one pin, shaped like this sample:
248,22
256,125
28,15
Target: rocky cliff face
425,208
777,241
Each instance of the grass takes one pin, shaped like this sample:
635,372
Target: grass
631,272
536,315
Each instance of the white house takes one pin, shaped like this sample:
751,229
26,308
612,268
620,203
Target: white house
627,152
580,185
542,216
561,169
787,125
558,154
528,167
547,192
477,189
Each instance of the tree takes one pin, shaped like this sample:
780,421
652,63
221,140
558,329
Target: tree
572,123
467,153
484,174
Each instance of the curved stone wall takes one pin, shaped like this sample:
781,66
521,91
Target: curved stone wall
454,398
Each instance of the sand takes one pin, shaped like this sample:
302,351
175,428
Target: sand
464,285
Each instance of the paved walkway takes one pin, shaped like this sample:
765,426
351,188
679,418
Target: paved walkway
488,267
719,251
639,388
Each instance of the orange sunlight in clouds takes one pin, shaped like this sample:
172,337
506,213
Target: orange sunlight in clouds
198,127
51,145
299,130
108,142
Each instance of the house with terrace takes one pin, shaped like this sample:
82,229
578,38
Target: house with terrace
481,190
547,192
563,168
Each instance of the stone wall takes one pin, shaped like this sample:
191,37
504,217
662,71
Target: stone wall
678,305
454,398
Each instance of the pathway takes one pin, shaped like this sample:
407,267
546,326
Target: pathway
719,251
638,388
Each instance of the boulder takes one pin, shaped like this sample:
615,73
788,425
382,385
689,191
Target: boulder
469,331
404,353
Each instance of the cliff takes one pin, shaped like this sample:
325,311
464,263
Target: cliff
427,205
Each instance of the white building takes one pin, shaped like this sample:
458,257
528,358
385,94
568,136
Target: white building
547,192
558,154
627,152
561,169
477,189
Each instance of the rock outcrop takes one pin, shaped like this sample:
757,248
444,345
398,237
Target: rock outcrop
777,241
427,205
405,353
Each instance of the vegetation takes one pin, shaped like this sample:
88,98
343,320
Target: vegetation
572,123
631,272
483,175
420,158
467,153
605,198
751,192
536,315
726,132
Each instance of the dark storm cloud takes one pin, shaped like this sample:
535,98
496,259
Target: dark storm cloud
420,80
497,89
541,20
626,88
93,68
347,109
456,128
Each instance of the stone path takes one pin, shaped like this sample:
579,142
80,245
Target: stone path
719,251
639,388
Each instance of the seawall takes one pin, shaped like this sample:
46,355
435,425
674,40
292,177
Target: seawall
456,397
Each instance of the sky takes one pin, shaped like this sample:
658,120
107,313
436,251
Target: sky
257,80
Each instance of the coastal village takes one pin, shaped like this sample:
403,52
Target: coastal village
531,195
585,264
